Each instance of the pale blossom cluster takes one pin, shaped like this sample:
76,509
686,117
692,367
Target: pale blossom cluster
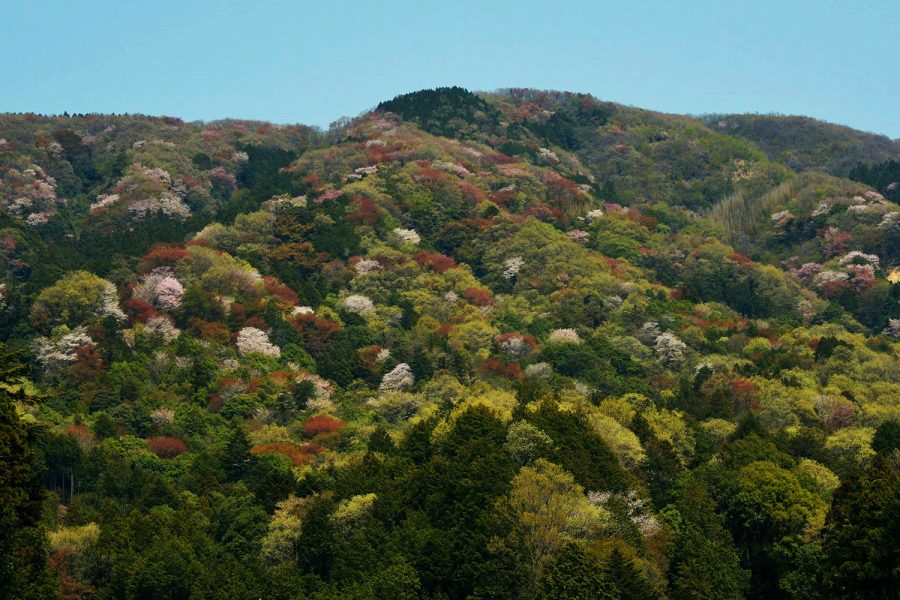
548,155
222,177
359,304
807,271
636,507
329,195
450,167
578,235
822,209
512,266
398,378
161,289
855,256
363,171
563,336
31,191
302,310
826,277
167,203
890,221
110,302
55,355
780,218
515,345
669,348
893,328
162,417
807,310
861,276
38,218
104,201
407,236
539,370
648,332
593,214
251,340
382,355
366,266
163,327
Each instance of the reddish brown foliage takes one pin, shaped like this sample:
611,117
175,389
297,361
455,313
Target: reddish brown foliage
472,193
302,255
438,262
739,258
838,287
82,435
139,310
509,370
478,296
638,217
299,455
163,255
366,212
87,363
503,196
166,447
745,395
316,333
213,332
498,159
282,292
322,424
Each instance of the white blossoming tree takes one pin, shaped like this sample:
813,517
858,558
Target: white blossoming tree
407,236
251,340
398,378
359,304
670,349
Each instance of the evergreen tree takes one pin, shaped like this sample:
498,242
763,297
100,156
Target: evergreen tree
629,581
861,553
23,570
574,576
704,562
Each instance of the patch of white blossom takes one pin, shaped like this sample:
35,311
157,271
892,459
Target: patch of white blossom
398,378
251,340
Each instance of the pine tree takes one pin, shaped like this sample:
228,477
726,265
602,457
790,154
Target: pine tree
23,570
629,581
575,577
861,534
236,459
704,560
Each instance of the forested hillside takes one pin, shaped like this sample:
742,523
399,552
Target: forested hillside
520,344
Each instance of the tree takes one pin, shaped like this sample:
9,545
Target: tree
704,562
861,554
236,459
78,297
627,578
547,510
769,515
23,571
574,576
887,438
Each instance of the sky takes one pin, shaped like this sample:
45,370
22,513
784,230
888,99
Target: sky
312,62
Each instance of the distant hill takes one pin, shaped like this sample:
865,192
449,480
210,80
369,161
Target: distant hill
806,144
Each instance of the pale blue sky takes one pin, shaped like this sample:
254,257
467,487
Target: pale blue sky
312,62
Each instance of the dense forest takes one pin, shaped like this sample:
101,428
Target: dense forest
520,344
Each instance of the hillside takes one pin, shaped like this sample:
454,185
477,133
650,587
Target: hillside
514,344
806,144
